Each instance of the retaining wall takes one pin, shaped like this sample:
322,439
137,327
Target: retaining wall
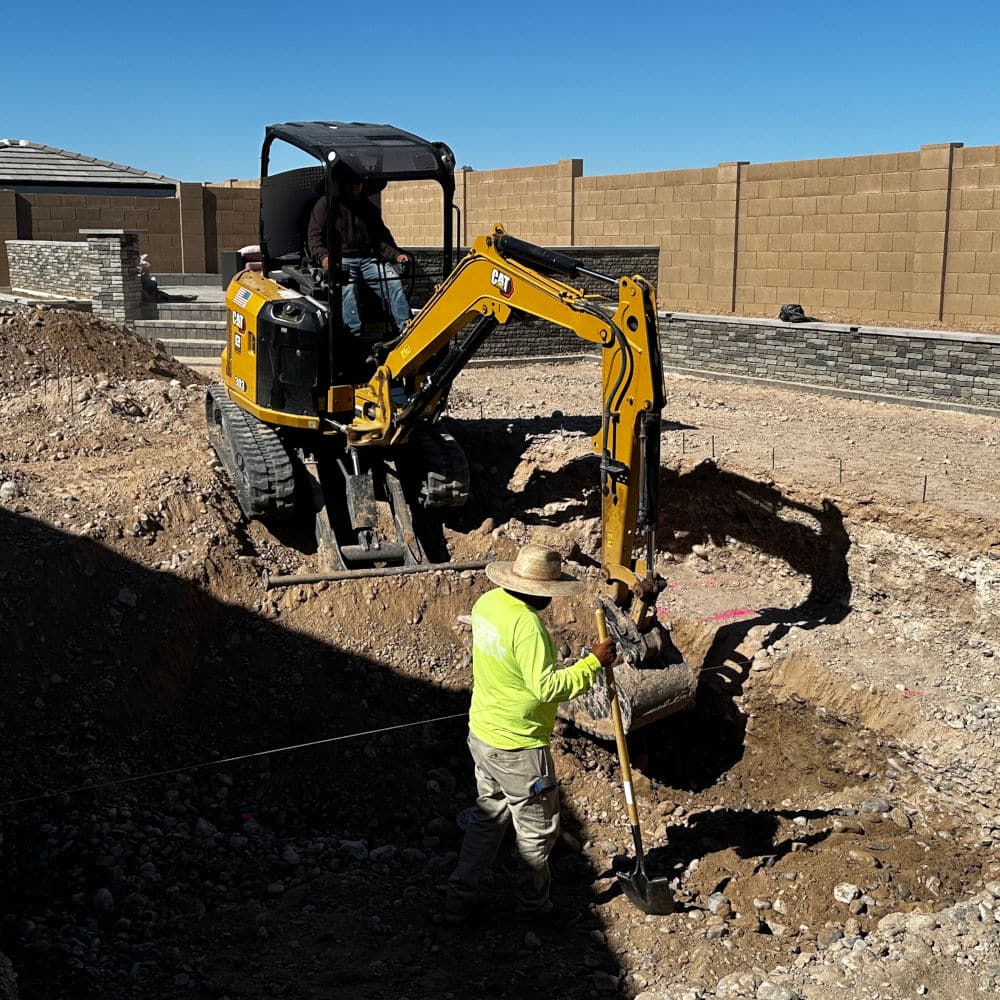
913,365
103,269
55,267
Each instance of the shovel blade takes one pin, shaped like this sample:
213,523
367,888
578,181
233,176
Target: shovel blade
652,896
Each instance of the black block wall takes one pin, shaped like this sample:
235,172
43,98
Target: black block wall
951,367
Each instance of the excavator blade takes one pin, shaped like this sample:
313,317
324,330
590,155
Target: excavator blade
653,680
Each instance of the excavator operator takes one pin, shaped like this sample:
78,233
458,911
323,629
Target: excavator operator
369,252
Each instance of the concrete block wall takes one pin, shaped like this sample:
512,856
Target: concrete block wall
8,231
533,203
232,220
903,238
972,279
913,364
62,216
864,234
690,214
414,211
906,238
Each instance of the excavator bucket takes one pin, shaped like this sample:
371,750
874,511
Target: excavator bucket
653,679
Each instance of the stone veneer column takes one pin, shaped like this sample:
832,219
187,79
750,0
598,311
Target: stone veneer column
114,259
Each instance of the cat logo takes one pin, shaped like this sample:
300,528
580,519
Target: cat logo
238,321
502,281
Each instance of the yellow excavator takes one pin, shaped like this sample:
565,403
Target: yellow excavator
349,427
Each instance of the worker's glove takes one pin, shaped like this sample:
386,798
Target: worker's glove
403,266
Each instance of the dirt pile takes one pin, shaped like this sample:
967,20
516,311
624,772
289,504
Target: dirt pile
36,343
829,811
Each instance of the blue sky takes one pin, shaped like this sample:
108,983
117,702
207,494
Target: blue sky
186,90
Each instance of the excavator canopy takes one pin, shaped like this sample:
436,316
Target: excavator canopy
368,150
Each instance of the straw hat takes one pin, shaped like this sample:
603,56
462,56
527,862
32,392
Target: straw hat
537,570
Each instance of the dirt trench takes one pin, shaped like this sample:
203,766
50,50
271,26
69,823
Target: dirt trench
839,765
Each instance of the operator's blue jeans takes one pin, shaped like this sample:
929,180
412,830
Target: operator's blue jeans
384,279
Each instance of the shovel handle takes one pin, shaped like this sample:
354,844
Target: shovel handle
616,718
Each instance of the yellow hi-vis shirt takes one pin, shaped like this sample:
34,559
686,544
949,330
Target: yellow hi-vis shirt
516,687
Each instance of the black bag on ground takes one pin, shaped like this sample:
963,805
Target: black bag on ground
794,313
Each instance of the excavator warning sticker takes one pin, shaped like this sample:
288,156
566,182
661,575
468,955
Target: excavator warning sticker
502,282
242,297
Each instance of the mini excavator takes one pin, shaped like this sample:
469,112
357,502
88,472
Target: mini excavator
349,426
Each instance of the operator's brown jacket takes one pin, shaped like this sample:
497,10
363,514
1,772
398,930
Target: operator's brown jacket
362,231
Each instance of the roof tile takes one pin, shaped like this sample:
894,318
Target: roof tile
26,162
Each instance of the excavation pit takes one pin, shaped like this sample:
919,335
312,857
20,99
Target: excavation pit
828,807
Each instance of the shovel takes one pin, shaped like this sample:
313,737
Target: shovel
651,895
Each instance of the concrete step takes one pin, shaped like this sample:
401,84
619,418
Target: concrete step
209,367
181,348
214,311
205,280
184,329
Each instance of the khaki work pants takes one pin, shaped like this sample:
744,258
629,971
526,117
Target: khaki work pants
503,780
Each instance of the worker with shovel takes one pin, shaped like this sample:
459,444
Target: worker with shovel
515,692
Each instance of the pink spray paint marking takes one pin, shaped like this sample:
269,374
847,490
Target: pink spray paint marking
725,616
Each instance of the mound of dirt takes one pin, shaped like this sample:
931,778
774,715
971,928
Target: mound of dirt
39,342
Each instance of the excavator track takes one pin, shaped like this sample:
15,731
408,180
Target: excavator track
257,461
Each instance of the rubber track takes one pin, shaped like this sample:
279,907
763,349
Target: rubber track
265,485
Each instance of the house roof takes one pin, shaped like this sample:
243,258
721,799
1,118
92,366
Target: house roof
23,162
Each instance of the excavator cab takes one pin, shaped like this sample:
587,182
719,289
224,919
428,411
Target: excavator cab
347,154
290,369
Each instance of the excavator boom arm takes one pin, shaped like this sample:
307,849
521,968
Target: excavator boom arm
499,278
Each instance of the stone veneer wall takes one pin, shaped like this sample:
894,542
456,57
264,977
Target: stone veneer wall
953,368
103,270
55,268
